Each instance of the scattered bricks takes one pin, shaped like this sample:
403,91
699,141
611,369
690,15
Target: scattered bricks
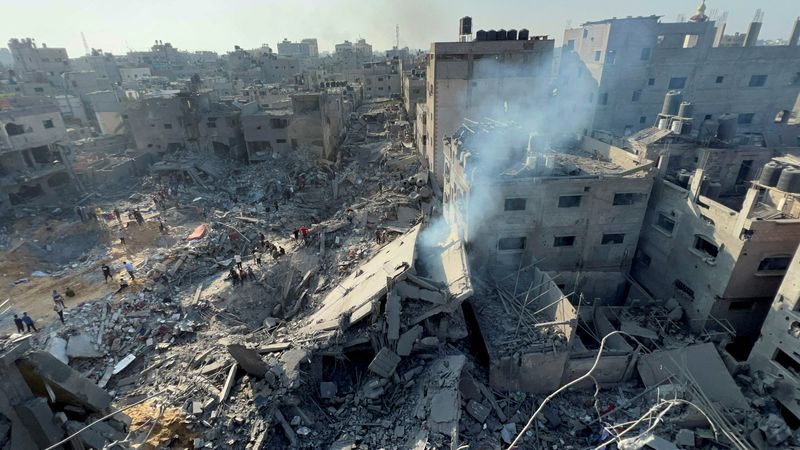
478,411
384,363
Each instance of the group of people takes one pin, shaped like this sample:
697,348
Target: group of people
123,283
267,247
301,232
87,214
239,274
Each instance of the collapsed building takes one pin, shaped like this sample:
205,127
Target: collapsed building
35,164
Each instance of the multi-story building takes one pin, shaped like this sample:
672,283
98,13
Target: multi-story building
618,70
163,60
32,61
775,353
381,79
712,239
307,48
352,55
413,90
482,78
103,64
575,208
34,165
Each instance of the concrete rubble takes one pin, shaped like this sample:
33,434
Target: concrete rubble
370,332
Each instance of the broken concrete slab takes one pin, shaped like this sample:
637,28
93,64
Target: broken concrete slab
702,364
478,410
633,329
406,342
58,348
82,346
393,309
249,360
384,363
68,385
649,441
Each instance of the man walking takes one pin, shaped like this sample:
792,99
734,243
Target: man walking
106,273
26,319
59,309
57,298
130,269
18,323
138,216
118,215
121,236
238,260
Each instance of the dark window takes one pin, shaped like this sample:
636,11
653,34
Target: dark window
643,258
211,124
744,171
564,241
597,55
280,141
788,363
677,83
775,263
571,44
637,94
611,56
13,129
720,79
665,222
612,238
745,119
278,123
681,286
758,80
48,123
167,126
515,204
628,198
585,33
569,201
707,117
705,246
603,99
651,81
645,54
642,119
38,89
511,243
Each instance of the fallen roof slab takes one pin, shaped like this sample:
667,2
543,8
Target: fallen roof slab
699,363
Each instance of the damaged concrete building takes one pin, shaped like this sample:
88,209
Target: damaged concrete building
622,67
484,77
34,152
574,208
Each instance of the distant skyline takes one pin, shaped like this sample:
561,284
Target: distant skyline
117,26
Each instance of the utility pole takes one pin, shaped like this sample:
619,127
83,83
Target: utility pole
397,36
85,44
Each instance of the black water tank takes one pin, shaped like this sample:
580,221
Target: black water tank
480,35
501,34
491,35
511,35
523,34
465,26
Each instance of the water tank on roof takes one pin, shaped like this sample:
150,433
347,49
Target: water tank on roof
686,109
672,101
684,176
523,34
511,35
789,180
663,122
727,127
770,174
465,26
491,35
501,34
480,35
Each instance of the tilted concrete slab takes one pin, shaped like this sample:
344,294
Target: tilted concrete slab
355,295
68,384
702,364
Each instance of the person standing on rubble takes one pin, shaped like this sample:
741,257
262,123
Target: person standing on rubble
79,211
161,227
121,236
26,319
304,234
129,267
118,215
18,323
257,256
301,182
59,309
138,216
238,260
106,272
57,298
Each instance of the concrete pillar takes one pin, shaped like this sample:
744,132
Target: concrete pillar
795,36
752,34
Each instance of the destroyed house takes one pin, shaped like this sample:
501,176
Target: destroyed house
576,207
33,163
721,253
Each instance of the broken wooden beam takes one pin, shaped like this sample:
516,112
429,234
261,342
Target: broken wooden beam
229,381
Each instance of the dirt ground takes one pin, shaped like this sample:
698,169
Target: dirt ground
72,253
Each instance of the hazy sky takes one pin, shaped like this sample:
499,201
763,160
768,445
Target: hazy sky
116,25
